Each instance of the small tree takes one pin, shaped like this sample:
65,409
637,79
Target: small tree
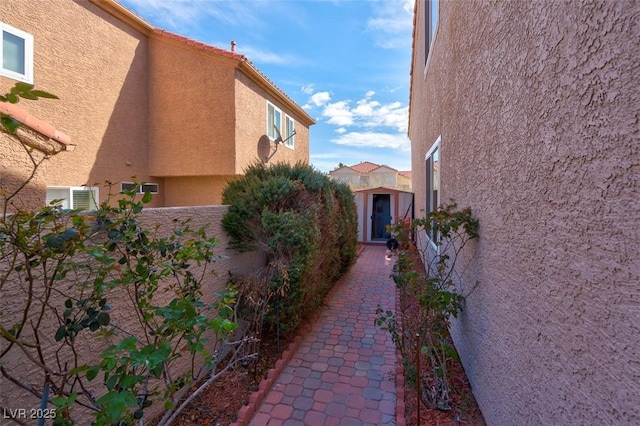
434,290
67,268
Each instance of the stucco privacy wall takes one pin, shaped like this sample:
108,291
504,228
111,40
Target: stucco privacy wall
537,106
97,66
12,397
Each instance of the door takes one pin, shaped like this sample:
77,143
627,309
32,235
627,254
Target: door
381,216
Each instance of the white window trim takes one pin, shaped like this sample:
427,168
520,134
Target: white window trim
435,32
270,131
140,191
290,138
27,77
436,145
94,189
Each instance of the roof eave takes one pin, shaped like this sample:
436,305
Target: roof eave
120,12
261,80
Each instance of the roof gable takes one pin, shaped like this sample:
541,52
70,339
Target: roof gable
384,169
365,167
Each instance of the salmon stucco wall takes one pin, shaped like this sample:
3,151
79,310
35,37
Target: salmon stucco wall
536,104
89,348
96,65
196,190
192,108
251,127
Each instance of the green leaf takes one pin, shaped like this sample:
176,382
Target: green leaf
28,95
79,369
21,87
103,319
60,333
147,197
43,94
92,372
10,124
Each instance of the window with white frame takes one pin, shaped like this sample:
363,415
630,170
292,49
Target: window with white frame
432,193
143,188
289,132
73,197
274,122
16,54
430,23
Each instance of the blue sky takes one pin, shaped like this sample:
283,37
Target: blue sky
346,62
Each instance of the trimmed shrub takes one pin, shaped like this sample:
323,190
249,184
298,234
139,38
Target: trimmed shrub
306,224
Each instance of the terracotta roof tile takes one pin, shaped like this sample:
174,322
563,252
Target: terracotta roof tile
35,124
365,167
200,45
229,54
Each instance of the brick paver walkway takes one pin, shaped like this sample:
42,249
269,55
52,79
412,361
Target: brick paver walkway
344,370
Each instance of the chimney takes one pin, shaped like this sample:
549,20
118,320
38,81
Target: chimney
233,46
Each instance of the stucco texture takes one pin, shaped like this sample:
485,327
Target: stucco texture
536,104
96,65
141,104
88,345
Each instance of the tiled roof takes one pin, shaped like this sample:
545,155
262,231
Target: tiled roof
405,173
200,45
36,124
241,59
365,167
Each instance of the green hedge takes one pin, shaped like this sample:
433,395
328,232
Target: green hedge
306,223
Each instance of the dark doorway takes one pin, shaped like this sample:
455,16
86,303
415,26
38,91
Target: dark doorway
381,216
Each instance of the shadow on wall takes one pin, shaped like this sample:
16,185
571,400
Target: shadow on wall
89,347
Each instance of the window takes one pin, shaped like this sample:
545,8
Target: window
274,122
430,23
142,188
74,197
16,54
289,131
432,167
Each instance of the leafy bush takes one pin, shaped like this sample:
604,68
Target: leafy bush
305,223
434,292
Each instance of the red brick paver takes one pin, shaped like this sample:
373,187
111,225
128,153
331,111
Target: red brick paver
343,371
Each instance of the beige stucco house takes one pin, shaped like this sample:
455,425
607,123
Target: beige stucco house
527,112
382,195
137,101
366,175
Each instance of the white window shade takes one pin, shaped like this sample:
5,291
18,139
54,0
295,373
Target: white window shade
73,197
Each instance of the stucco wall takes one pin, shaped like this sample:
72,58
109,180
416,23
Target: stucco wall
251,126
95,64
196,190
13,398
537,105
192,110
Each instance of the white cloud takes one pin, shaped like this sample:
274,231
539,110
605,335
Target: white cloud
261,56
320,98
338,113
374,140
367,113
176,14
308,89
392,23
